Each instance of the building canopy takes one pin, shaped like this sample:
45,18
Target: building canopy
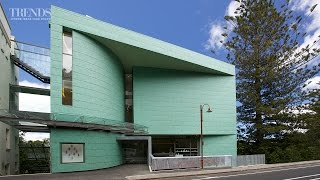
135,49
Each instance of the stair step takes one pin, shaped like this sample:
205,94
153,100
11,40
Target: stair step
29,69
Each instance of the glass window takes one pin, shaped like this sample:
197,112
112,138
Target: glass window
166,146
67,69
67,65
67,92
67,43
128,98
7,138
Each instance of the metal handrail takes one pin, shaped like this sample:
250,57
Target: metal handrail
29,44
32,58
85,120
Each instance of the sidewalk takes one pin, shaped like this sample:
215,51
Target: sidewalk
115,173
159,175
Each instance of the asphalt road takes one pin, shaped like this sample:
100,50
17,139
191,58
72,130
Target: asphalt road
297,172
302,172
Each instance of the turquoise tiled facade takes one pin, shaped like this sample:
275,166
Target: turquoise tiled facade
97,78
220,145
101,150
169,84
168,101
97,92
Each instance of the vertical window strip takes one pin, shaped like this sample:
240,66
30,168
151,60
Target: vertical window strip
67,69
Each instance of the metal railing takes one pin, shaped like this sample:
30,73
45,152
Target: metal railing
246,160
118,125
166,163
34,159
72,121
36,59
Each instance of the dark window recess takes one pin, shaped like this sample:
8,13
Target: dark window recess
169,146
128,98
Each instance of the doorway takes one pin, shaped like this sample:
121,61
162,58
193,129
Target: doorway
135,152
136,149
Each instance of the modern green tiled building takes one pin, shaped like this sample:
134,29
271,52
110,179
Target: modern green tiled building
117,74
114,73
120,97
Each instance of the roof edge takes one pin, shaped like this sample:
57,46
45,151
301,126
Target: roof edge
126,36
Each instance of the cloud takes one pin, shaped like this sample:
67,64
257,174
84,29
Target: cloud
314,83
312,26
232,8
305,6
216,28
32,84
32,136
33,102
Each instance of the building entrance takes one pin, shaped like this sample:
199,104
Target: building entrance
135,152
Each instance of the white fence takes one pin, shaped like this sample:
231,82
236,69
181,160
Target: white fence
162,163
245,160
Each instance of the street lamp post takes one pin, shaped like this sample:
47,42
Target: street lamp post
201,127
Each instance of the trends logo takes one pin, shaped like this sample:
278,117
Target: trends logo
30,14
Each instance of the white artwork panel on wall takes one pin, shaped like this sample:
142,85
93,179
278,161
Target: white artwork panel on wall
72,153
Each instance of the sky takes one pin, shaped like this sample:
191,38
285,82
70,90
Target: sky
177,22
194,24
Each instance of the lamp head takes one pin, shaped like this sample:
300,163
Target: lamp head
209,110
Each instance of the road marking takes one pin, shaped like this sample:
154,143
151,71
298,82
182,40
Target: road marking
217,177
203,176
314,179
300,177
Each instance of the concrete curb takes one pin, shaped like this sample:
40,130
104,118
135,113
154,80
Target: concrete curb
216,171
20,175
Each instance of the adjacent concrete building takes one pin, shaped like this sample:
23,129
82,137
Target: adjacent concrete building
9,136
